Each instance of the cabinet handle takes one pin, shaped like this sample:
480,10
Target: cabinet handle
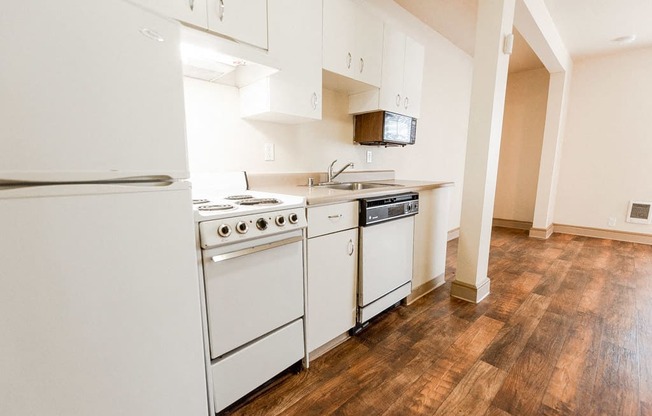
191,3
351,248
335,217
407,102
314,100
361,65
398,100
221,10
349,58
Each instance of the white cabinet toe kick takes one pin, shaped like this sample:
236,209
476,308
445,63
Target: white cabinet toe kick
365,313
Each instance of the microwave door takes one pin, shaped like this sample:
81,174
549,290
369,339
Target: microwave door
389,128
403,127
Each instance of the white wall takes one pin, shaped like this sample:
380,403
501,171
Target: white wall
607,154
220,141
520,148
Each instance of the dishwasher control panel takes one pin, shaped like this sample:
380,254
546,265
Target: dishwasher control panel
386,208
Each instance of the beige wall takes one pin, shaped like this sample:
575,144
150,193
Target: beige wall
520,149
219,140
607,154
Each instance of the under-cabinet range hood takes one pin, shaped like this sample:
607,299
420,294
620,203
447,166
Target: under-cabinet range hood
214,59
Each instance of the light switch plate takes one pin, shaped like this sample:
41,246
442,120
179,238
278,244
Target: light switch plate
370,156
269,152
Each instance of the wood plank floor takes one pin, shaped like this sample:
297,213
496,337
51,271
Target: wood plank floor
567,330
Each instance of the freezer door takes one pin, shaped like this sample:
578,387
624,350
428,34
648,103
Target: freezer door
89,90
99,303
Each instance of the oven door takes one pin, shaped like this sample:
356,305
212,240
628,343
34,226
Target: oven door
252,288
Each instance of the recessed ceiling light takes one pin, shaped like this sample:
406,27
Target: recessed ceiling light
624,39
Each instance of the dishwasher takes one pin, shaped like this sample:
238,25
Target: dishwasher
386,250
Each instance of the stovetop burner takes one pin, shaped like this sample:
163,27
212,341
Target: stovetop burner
259,201
200,201
220,207
238,197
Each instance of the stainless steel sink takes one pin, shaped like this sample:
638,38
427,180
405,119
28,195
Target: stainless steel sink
357,186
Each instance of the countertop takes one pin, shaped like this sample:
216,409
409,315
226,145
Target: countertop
321,195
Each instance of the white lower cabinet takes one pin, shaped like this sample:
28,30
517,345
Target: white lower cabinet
332,272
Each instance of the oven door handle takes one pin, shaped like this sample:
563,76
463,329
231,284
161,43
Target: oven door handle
252,250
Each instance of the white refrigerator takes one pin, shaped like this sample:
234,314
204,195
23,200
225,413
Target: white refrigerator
99,289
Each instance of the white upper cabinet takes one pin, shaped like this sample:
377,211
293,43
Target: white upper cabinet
368,48
403,57
192,12
294,94
402,78
242,20
352,41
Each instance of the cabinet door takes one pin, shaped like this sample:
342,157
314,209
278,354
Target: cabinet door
339,37
368,54
296,88
243,20
188,11
332,278
413,77
293,94
391,89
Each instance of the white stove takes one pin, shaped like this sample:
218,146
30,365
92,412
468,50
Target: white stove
251,246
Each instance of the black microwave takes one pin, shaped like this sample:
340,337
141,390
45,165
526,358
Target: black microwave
385,128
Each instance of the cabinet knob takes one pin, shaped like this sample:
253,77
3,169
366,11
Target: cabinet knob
361,65
351,248
220,10
398,100
191,3
407,102
315,100
349,58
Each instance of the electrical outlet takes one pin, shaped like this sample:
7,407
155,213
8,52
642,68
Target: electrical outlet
612,221
269,152
370,156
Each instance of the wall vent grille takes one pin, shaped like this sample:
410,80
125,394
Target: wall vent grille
639,212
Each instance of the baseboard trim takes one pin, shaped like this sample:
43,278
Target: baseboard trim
319,351
425,288
626,236
453,234
469,292
542,233
517,225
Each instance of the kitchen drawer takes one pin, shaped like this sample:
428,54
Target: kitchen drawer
332,218
243,371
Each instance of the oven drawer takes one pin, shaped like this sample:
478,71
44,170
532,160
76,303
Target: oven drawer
241,372
332,218
250,295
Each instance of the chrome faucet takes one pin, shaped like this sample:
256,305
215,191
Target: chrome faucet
332,175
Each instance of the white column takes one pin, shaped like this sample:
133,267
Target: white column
544,208
490,64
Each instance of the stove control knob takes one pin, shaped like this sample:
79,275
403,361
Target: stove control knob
242,227
280,220
224,230
293,218
261,224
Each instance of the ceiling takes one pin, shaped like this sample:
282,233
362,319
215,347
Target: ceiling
586,27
